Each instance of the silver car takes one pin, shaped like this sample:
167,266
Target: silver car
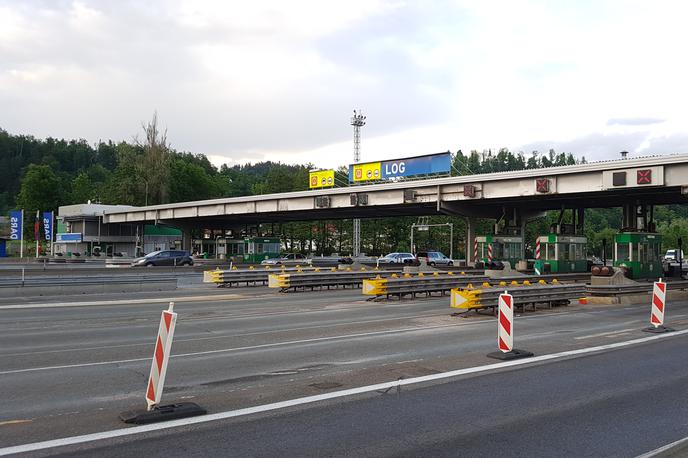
435,258
398,258
290,259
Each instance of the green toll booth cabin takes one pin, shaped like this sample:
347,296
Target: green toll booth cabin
253,249
561,254
504,248
639,253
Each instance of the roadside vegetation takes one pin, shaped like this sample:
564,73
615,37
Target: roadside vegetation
47,173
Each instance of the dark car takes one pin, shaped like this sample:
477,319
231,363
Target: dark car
164,258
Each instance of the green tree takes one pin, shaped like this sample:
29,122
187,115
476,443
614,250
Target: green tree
83,189
40,189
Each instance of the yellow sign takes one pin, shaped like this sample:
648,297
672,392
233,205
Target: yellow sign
368,171
321,179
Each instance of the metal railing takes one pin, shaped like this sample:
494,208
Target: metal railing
332,278
524,294
440,282
253,276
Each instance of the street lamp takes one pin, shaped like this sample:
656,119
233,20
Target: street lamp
357,121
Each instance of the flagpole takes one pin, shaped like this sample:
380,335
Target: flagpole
21,240
37,231
52,234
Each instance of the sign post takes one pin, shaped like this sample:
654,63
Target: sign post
156,381
657,309
505,331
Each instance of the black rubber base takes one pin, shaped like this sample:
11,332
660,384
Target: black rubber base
658,329
513,354
162,413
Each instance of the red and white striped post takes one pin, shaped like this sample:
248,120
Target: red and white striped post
505,331
505,336
475,250
537,249
161,356
156,381
657,309
489,253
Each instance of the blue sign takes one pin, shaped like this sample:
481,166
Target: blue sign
48,225
16,222
413,166
68,237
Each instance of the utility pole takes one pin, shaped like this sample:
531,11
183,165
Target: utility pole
357,121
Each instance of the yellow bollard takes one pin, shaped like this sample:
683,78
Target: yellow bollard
502,283
450,273
486,284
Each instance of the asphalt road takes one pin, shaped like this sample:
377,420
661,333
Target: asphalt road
70,370
616,404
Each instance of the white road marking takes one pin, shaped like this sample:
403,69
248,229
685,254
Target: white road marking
216,337
605,334
655,452
228,350
124,302
323,397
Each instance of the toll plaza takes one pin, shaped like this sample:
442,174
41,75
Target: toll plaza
499,248
561,253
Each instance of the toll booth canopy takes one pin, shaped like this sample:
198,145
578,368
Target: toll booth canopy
504,248
562,253
639,253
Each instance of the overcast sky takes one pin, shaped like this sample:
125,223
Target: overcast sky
254,80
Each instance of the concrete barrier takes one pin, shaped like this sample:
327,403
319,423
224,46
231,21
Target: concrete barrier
88,287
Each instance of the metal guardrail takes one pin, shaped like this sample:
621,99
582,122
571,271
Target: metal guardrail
440,282
323,279
251,276
616,290
524,294
95,280
419,283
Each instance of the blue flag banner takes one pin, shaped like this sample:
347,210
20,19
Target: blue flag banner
48,226
16,220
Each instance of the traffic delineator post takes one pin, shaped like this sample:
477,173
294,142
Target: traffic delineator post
505,331
657,308
161,356
156,380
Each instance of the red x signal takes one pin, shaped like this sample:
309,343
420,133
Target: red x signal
644,176
542,185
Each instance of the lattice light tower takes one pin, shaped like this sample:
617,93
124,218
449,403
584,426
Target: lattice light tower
358,121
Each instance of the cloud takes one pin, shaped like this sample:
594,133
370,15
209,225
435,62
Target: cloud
634,121
278,80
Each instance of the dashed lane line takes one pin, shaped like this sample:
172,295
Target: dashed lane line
74,440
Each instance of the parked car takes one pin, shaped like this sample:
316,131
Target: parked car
290,259
164,258
434,258
399,258
672,255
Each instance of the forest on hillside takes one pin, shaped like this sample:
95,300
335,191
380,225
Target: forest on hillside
47,173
